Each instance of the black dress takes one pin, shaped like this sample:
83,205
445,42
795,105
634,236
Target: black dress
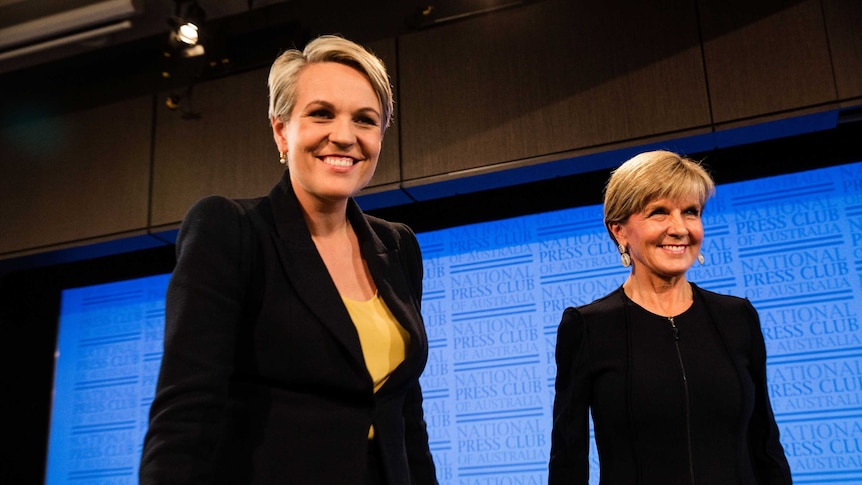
674,401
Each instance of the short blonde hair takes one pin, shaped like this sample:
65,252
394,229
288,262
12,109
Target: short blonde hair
284,73
649,176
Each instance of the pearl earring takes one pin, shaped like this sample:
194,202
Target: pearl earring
700,258
282,157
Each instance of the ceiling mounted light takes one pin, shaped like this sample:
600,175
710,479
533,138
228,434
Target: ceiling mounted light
186,27
184,59
187,33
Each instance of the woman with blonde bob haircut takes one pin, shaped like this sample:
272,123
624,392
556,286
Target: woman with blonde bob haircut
653,175
294,338
673,375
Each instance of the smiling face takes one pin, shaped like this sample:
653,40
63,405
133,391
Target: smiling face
333,135
664,238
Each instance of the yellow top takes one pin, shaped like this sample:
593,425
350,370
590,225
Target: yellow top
384,341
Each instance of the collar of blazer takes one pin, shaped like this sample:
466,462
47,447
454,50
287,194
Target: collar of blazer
308,275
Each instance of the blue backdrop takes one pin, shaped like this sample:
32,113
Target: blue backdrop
494,294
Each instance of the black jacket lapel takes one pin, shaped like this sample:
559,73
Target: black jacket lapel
306,271
386,268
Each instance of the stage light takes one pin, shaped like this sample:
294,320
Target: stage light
188,33
186,27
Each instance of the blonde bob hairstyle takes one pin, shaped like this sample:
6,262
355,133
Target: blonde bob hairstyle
649,176
285,70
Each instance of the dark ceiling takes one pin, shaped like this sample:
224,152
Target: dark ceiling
42,72
36,32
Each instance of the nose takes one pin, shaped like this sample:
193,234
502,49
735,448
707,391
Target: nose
676,225
342,132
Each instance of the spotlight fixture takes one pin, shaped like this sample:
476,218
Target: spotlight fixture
186,28
184,59
188,33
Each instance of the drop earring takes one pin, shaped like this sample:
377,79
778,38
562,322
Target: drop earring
700,258
625,259
282,157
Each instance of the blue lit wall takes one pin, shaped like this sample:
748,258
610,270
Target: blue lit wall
494,294
109,347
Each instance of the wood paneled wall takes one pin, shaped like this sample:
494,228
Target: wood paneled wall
228,150
843,19
765,57
536,82
73,178
548,78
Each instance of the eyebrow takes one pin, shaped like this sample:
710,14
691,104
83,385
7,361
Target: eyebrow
664,202
328,105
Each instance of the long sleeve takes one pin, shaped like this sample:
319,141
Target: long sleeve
203,307
569,462
767,454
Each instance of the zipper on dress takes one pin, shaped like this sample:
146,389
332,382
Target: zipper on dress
675,331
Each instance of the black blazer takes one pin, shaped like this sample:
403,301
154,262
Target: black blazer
620,362
263,380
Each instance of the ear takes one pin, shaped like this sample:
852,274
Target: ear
279,129
617,230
